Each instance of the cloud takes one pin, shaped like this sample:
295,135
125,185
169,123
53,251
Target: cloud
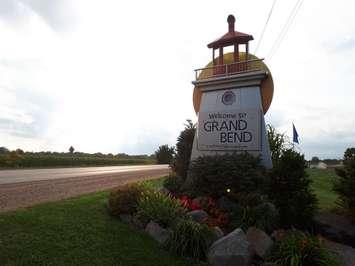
60,15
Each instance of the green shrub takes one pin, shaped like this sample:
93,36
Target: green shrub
190,239
215,175
289,189
345,185
173,182
278,143
297,249
263,216
160,208
184,144
124,200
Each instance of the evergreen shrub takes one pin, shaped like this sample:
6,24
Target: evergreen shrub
181,162
345,185
219,175
289,188
173,182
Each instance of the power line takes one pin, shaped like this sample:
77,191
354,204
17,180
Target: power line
266,23
285,29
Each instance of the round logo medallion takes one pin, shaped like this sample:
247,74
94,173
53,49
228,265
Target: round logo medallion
228,98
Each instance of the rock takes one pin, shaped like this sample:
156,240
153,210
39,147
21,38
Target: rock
336,227
217,232
139,223
346,253
198,215
232,249
164,191
126,218
259,240
157,232
226,204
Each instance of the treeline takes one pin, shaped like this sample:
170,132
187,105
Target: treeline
20,159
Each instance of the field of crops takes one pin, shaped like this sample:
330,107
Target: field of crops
33,160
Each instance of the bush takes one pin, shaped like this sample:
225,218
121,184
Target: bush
173,183
345,185
297,249
278,143
260,214
214,175
190,239
164,154
184,144
124,200
160,208
289,189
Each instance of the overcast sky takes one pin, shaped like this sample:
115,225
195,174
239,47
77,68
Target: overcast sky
115,76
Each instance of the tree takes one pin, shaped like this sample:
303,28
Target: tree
349,155
20,152
278,143
71,149
345,185
164,154
4,150
315,160
184,143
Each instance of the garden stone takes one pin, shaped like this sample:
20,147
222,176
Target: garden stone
232,249
198,215
346,253
126,218
138,223
259,240
226,204
217,232
157,232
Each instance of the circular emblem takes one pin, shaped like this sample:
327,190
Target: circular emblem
228,98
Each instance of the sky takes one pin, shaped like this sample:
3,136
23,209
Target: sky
115,76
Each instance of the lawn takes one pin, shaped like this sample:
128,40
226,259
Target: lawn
76,231
79,231
322,185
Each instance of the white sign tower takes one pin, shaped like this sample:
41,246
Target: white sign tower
231,96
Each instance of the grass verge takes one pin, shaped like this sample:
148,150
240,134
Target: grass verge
323,187
76,231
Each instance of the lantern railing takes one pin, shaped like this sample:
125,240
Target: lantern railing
229,69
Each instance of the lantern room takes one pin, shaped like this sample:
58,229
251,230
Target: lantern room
231,38
224,62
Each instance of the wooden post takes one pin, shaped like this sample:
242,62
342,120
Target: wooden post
220,56
246,55
247,51
236,53
213,61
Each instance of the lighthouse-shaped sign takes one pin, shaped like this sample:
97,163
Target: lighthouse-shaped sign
232,94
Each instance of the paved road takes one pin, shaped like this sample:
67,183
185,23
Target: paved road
23,188
15,176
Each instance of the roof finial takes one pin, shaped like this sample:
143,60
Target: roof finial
231,21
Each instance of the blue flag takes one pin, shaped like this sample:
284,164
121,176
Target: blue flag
295,134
